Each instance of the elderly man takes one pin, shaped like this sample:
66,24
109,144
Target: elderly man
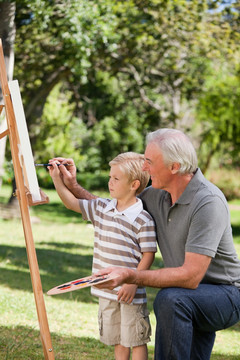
200,281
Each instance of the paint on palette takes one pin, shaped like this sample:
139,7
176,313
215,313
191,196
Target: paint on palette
79,283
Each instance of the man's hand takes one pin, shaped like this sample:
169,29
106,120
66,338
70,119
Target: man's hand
68,173
69,178
123,276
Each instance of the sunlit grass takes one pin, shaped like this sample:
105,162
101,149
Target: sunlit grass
64,245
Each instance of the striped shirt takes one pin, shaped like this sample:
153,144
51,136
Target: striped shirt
120,238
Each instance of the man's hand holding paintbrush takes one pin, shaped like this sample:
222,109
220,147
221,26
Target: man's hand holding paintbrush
67,172
68,176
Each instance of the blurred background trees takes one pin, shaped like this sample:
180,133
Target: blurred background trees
96,76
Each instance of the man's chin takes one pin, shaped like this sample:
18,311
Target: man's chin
155,185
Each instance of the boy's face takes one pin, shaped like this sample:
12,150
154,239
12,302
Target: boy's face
119,184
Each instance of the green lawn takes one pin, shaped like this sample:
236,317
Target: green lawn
64,249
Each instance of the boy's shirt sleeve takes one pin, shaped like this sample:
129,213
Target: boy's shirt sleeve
88,209
147,237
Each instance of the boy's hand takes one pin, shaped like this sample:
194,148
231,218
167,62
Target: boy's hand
54,169
127,292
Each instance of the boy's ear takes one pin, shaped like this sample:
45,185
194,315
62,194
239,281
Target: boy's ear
135,185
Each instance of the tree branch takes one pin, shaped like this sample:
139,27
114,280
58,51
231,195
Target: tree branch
132,70
41,93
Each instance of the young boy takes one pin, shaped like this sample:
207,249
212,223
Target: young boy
124,236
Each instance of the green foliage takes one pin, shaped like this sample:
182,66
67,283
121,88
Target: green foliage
90,181
127,66
8,173
59,132
94,181
218,112
227,180
44,179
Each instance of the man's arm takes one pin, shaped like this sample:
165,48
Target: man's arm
68,175
189,275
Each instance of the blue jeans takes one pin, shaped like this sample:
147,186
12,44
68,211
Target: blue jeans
187,320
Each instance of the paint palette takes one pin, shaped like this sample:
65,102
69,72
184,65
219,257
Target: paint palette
80,284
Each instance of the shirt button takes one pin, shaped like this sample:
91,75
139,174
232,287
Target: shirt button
169,220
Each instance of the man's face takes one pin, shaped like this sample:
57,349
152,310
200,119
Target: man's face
161,174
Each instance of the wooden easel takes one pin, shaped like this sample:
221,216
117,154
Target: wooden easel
25,200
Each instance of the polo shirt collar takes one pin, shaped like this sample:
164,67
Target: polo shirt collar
131,213
191,188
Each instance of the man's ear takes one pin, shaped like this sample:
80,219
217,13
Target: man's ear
135,185
174,167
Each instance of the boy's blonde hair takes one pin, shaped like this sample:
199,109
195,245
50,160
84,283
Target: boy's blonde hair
131,164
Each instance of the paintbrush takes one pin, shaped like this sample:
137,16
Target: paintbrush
52,165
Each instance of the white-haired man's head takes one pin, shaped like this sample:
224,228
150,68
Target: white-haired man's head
175,147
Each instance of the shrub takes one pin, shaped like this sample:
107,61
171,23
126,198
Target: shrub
94,181
90,181
228,180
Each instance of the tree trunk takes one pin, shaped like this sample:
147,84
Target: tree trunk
7,34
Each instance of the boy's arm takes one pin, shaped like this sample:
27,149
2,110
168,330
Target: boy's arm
146,261
128,291
69,200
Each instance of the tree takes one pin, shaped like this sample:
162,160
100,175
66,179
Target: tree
219,114
7,34
129,66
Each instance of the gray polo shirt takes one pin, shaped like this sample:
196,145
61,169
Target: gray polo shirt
198,222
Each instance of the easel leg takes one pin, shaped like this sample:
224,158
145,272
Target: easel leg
35,277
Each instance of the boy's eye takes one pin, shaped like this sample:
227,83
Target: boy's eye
113,178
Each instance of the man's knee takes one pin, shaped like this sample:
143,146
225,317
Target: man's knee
170,301
165,300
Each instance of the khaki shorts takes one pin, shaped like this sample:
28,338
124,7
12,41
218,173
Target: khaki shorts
123,324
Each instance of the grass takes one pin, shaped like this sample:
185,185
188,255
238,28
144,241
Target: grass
64,249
